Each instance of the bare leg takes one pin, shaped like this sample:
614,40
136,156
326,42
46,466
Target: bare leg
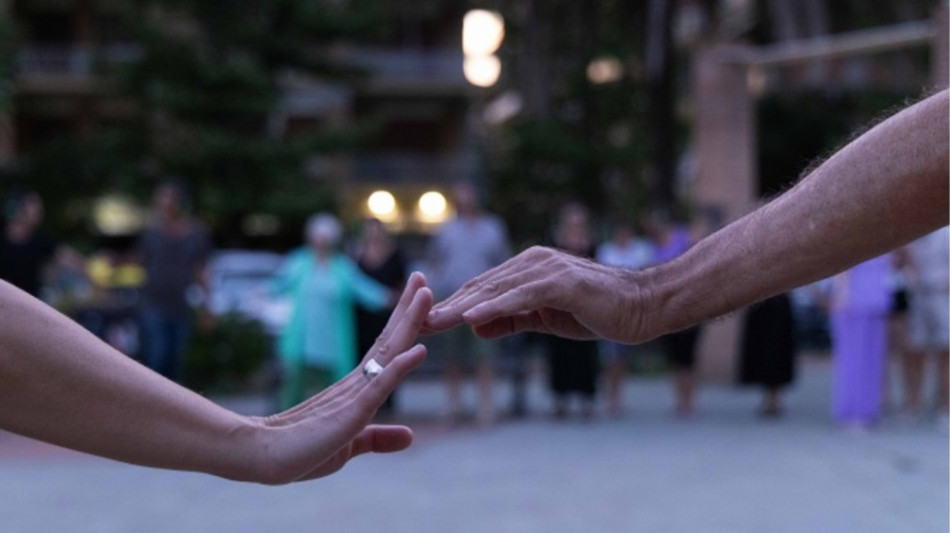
453,388
897,351
684,386
486,383
587,407
615,374
943,381
913,362
771,403
560,406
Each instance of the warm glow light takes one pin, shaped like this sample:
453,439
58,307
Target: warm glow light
116,215
482,32
482,71
432,206
382,204
604,70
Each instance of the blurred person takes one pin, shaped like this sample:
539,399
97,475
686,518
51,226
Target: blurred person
466,246
573,364
379,258
929,319
768,351
318,345
25,248
625,249
61,384
174,250
885,188
810,308
672,241
896,325
860,303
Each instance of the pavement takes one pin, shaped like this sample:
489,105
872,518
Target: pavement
723,470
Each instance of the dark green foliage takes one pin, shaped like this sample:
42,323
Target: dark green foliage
797,129
207,90
575,140
7,54
224,359
203,93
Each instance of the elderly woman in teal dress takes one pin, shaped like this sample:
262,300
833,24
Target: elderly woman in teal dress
318,345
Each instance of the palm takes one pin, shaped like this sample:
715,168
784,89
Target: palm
318,437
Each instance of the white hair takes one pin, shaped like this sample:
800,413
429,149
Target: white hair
324,226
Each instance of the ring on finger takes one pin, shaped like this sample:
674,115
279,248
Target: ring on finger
372,368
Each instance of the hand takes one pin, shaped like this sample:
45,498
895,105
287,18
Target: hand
318,437
547,291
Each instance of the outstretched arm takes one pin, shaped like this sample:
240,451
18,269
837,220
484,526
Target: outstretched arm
886,188
60,384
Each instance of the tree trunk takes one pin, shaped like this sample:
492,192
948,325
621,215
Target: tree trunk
659,78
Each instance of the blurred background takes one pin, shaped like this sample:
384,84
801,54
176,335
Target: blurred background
619,130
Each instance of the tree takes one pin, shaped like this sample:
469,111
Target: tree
205,86
575,139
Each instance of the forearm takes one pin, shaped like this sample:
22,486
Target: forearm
884,189
60,384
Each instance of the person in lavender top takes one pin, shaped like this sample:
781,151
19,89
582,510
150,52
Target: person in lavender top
861,298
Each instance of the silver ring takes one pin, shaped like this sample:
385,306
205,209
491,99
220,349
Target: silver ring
372,369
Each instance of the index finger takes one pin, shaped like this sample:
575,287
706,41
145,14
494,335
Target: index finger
403,326
448,313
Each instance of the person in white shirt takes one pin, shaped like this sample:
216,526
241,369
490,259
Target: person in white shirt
625,250
929,317
466,246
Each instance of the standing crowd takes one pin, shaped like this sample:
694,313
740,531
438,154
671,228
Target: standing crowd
340,303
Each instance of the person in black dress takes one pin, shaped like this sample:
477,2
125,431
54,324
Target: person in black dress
768,351
379,258
573,365
24,248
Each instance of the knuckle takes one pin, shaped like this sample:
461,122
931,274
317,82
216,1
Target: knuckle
472,284
538,252
523,293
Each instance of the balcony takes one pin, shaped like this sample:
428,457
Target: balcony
409,169
45,65
410,69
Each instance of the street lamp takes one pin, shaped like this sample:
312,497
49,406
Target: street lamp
604,70
482,34
382,205
482,71
432,207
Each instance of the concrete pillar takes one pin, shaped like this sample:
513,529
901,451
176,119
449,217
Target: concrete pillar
940,57
725,176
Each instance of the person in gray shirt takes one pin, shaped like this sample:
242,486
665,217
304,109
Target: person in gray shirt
174,252
468,245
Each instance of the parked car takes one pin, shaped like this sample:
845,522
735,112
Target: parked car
239,283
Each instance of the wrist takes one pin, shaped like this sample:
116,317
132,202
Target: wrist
660,296
242,455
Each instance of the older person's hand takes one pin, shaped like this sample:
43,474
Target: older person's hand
547,291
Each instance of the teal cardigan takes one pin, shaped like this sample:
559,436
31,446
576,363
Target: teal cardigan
321,332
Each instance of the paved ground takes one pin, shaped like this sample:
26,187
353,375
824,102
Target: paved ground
723,471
